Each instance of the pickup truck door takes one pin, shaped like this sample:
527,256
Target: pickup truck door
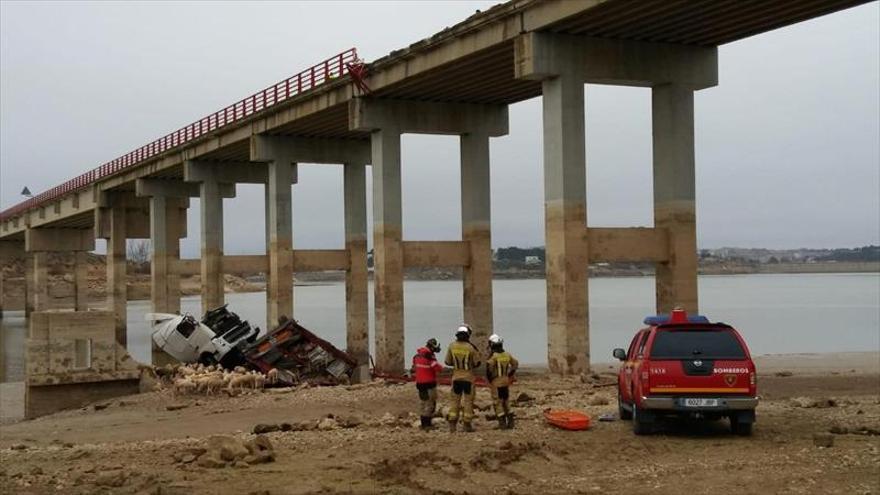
630,366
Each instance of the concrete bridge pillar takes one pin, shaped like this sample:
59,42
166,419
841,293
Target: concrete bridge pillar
9,252
279,247
563,63
213,286
165,223
120,216
28,286
476,232
387,120
388,250
80,280
357,313
117,287
565,220
41,280
674,195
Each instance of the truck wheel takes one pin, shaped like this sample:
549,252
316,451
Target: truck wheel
623,412
640,426
739,427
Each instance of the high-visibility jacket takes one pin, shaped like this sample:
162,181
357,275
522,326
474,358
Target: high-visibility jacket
463,357
425,366
500,367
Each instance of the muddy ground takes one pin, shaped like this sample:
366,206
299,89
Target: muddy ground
137,445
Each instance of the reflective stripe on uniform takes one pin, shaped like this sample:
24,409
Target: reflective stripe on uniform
461,358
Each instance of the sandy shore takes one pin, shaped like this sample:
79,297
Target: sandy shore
137,445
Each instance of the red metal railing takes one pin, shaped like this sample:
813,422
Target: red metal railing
316,75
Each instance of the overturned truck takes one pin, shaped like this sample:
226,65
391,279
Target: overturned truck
222,337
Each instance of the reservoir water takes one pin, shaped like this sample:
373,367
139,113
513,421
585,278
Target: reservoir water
777,314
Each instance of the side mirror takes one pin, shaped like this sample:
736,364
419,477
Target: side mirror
620,354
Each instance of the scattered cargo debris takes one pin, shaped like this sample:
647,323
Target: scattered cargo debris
288,355
299,355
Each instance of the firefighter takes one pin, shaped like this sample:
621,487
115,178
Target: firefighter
463,357
500,368
425,368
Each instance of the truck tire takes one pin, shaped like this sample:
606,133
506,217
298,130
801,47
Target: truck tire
623,412
739,427
640,426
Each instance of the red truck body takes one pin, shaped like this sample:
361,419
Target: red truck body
687,366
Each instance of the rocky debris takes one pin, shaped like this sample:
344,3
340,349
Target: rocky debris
349,421
18,446
100,407
838,430
227,451
327,424
855,430
523,398
114,478
811,402
176,407
282,390
824,440
226,448
598,400
304,426
783,374
36,470
211,462
260,450
266,428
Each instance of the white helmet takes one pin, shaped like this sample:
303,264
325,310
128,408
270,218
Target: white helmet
464,329
495,339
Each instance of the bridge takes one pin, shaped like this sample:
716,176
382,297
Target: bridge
349,113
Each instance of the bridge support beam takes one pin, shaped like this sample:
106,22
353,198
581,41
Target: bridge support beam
387,120
563,63
352,155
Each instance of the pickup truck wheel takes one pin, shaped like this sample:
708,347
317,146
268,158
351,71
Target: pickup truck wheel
640,426
740,428
623,412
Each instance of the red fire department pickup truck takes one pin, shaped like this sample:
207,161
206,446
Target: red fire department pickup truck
685,365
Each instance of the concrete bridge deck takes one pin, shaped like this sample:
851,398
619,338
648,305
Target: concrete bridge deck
471,62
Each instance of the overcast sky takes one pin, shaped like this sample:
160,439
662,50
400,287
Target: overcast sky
787,145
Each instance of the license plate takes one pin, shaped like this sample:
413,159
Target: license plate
700,402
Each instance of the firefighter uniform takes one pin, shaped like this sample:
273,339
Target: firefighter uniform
500,367
464,358
426,367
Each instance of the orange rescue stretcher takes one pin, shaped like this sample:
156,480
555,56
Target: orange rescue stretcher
567,419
